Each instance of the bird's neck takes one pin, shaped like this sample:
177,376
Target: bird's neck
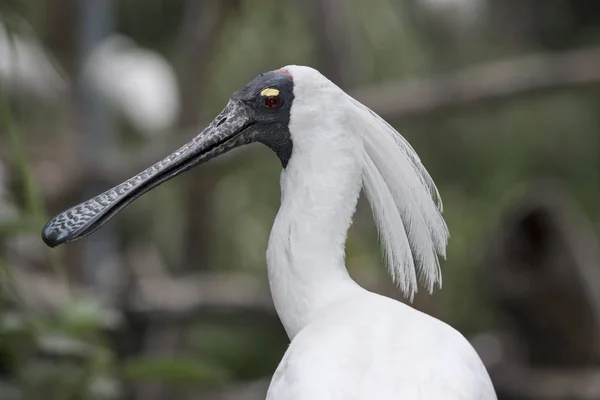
305,257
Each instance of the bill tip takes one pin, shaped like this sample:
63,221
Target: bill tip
51,237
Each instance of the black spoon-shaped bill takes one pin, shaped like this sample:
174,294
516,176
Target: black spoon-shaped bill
227,131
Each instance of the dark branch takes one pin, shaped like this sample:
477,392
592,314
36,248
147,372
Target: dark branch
483,84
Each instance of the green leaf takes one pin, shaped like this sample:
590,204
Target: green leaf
63,345
89,315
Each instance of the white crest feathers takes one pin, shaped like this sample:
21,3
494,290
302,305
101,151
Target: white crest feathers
405,202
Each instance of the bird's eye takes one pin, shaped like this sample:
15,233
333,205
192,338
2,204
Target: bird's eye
272,102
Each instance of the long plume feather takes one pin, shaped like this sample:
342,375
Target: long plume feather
405,202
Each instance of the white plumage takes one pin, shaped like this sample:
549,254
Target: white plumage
26,67
140,83
348,343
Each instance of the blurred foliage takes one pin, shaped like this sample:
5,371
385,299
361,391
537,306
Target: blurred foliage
478,157
59,357
62,356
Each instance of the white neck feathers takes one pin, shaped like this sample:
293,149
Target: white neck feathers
320,188
336,151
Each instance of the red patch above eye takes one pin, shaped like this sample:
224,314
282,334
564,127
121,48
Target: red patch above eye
272,102
285,72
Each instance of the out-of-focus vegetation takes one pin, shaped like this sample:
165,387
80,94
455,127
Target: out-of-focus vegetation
70,330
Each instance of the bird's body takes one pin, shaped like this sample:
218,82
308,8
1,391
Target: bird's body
346,343
367,346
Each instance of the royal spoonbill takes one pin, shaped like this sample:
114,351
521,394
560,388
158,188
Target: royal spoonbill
346,342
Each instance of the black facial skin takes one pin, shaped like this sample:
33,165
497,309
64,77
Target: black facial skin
245,119
272,126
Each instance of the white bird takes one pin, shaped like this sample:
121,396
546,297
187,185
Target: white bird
26,67
138,82
346,342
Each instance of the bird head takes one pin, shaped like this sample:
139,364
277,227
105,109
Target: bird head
300,114
258,112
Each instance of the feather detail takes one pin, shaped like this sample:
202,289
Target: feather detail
405,201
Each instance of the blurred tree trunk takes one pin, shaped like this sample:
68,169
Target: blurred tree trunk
553,25
60,37
335,52
203,22
60,33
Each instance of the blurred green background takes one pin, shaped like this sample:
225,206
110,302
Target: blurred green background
500,98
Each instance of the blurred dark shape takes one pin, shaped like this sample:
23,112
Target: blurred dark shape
554,25
543,271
